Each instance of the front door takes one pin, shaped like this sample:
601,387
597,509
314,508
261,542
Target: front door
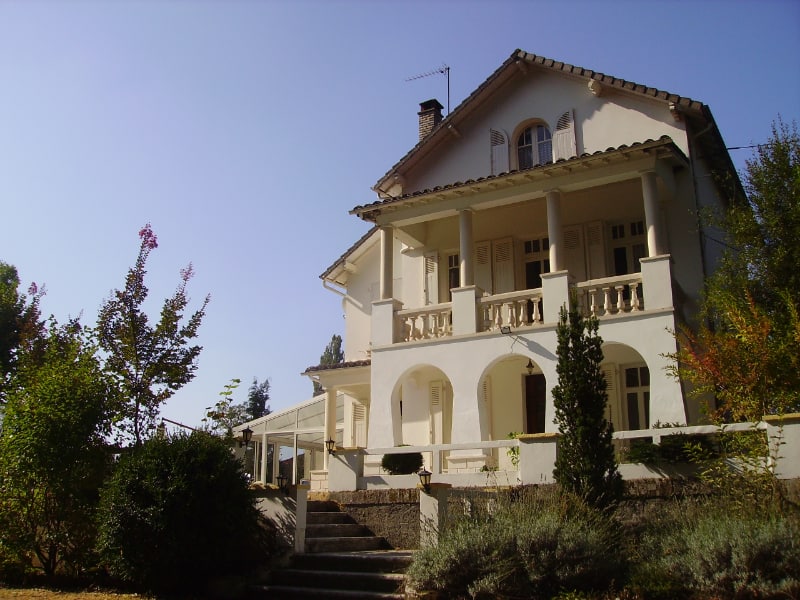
535,401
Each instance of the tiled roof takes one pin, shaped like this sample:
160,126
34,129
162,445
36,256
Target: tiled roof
508,70
348,252
664,141
342,365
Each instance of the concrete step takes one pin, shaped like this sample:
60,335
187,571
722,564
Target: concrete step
322,506
350,529
319,518
278,592
390,583
345,544
383,561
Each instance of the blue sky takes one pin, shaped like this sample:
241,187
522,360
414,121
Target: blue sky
245,131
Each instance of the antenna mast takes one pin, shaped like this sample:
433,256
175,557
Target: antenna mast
443,70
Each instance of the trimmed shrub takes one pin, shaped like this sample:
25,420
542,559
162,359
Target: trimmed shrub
532,544
402,464
177,514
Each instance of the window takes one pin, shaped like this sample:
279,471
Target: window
453,274
637,397
534,147
628,246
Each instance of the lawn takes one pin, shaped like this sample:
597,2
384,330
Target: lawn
44,594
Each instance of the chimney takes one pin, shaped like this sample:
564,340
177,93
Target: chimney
430,115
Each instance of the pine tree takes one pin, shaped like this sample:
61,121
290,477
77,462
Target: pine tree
585,464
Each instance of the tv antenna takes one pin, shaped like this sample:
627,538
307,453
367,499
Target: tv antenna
443,70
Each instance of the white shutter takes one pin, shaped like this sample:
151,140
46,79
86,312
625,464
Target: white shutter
564,145
596,249
359,425
503,265
486,394
436,396
431,282
498,142
574,259
483,266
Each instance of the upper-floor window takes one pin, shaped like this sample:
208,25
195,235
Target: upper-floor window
628,246
534,146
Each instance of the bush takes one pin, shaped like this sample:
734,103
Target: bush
177,513
535,544
718,551
402,464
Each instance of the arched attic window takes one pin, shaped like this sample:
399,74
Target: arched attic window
534,146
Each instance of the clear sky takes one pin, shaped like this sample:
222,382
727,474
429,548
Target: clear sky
245,131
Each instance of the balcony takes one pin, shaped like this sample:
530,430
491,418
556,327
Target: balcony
606,298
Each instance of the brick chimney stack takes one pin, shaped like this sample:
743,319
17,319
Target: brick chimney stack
430,115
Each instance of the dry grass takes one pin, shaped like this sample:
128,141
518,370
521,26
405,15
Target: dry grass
44,594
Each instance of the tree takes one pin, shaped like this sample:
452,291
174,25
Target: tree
585,463
333,355
258,399
52,457
150,363
19,317
177,513
763,230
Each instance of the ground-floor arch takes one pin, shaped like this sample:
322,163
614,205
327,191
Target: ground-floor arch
422,407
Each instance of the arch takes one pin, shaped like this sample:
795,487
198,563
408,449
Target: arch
628,387
422,406
531,144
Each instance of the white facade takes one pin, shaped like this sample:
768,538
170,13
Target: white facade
484,230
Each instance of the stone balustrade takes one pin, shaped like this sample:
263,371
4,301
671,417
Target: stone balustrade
430,322
513,309
611,296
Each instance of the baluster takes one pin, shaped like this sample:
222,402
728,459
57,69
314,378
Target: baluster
537,318
634,287
412,327
593,299
426,326
606,300
486,316
620,298
498,317
522,312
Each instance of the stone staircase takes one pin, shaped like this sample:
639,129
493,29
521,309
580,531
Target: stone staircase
343,560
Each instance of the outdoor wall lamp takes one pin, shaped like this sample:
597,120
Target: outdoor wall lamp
529,367
282,482
247,435
425,479
505,329
330,446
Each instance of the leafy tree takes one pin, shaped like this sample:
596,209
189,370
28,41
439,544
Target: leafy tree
19,317
149,362
177,513
333,355
52,457
221,418
258,399
763,230
585,463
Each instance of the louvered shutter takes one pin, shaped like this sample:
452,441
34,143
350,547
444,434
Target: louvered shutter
436,396
483,266
431,283
503,265
574,259
564,145
613,405
359,425
596,249
498,142
486,395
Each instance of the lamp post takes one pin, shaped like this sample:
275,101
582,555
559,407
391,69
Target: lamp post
425,479
247,435
330,446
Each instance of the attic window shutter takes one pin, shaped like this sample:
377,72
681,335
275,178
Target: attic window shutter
564,145
498,142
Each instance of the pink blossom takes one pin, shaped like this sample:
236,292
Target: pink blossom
33,289
149,239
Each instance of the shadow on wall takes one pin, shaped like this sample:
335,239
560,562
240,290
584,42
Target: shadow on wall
281,510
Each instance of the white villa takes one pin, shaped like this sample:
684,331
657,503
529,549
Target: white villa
548,180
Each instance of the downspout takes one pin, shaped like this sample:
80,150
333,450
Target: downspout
345,296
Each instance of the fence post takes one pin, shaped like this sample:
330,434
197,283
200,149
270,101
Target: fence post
344,469
432,512
784,442
537,457
301,507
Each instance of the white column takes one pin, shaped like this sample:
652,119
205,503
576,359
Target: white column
387,262
467,270
554,230
264,447
330,422
652,215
